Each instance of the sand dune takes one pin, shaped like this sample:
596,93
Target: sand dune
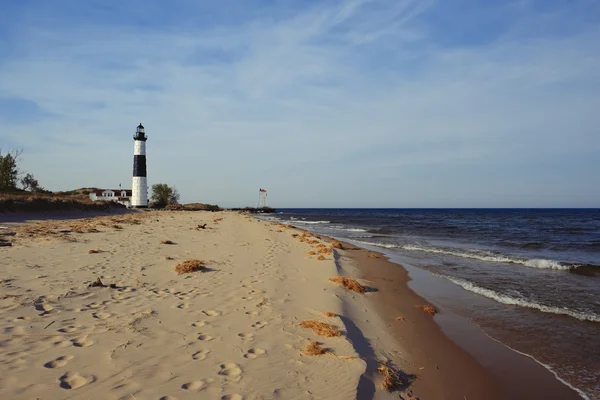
229,331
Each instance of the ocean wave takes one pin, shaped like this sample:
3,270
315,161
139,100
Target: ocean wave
384,245
532,263
343,228
311,222
505,299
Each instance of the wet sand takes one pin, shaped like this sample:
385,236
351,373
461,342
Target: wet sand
452,357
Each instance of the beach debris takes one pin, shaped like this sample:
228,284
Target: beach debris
166,242
349,283
393,379
429,309
295,235
321,328
314,349
321,258
117,226
189,266
5,244
401,319
98,283
373,255
311,253
169,258
337,245
203,226
94,251
329,314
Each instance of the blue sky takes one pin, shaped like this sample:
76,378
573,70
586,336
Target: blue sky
363,103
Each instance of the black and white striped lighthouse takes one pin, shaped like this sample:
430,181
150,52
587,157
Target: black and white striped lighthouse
139,195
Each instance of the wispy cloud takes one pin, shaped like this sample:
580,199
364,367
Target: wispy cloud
317,101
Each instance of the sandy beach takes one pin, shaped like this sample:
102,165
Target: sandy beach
237,329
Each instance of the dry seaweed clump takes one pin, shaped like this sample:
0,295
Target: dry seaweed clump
329,314
314,349
337,245
321,258
189,266
166,242
391,379
94,251
325,250
321,328
429,309
311,253
349,283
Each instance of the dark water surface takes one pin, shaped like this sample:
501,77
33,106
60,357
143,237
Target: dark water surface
537,269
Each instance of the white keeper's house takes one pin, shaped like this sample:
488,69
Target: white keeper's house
122,196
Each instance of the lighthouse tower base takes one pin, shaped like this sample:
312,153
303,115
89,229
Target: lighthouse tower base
139,197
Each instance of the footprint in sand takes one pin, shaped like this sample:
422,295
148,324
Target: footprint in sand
199,324
246,336
44,308
200,355
59,362
205,338
231,371
102,315
194,386
251,313
69,329
72,380
254,352
259,324
82,342
234,396
212,313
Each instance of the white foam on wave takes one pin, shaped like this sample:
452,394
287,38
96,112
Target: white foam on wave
384,245
343,228
502,298
580,392
534,263
311,222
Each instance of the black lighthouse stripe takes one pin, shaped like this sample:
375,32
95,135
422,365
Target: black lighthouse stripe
139,165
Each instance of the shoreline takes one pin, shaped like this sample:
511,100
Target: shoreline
234,329
449,351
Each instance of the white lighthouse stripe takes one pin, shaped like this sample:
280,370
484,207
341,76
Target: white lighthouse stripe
139,148
139,192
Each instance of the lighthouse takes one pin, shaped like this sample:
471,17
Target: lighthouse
139,196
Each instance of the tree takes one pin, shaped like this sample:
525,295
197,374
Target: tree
163,195
30,183
9,171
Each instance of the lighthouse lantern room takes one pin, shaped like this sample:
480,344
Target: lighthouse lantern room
139,197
